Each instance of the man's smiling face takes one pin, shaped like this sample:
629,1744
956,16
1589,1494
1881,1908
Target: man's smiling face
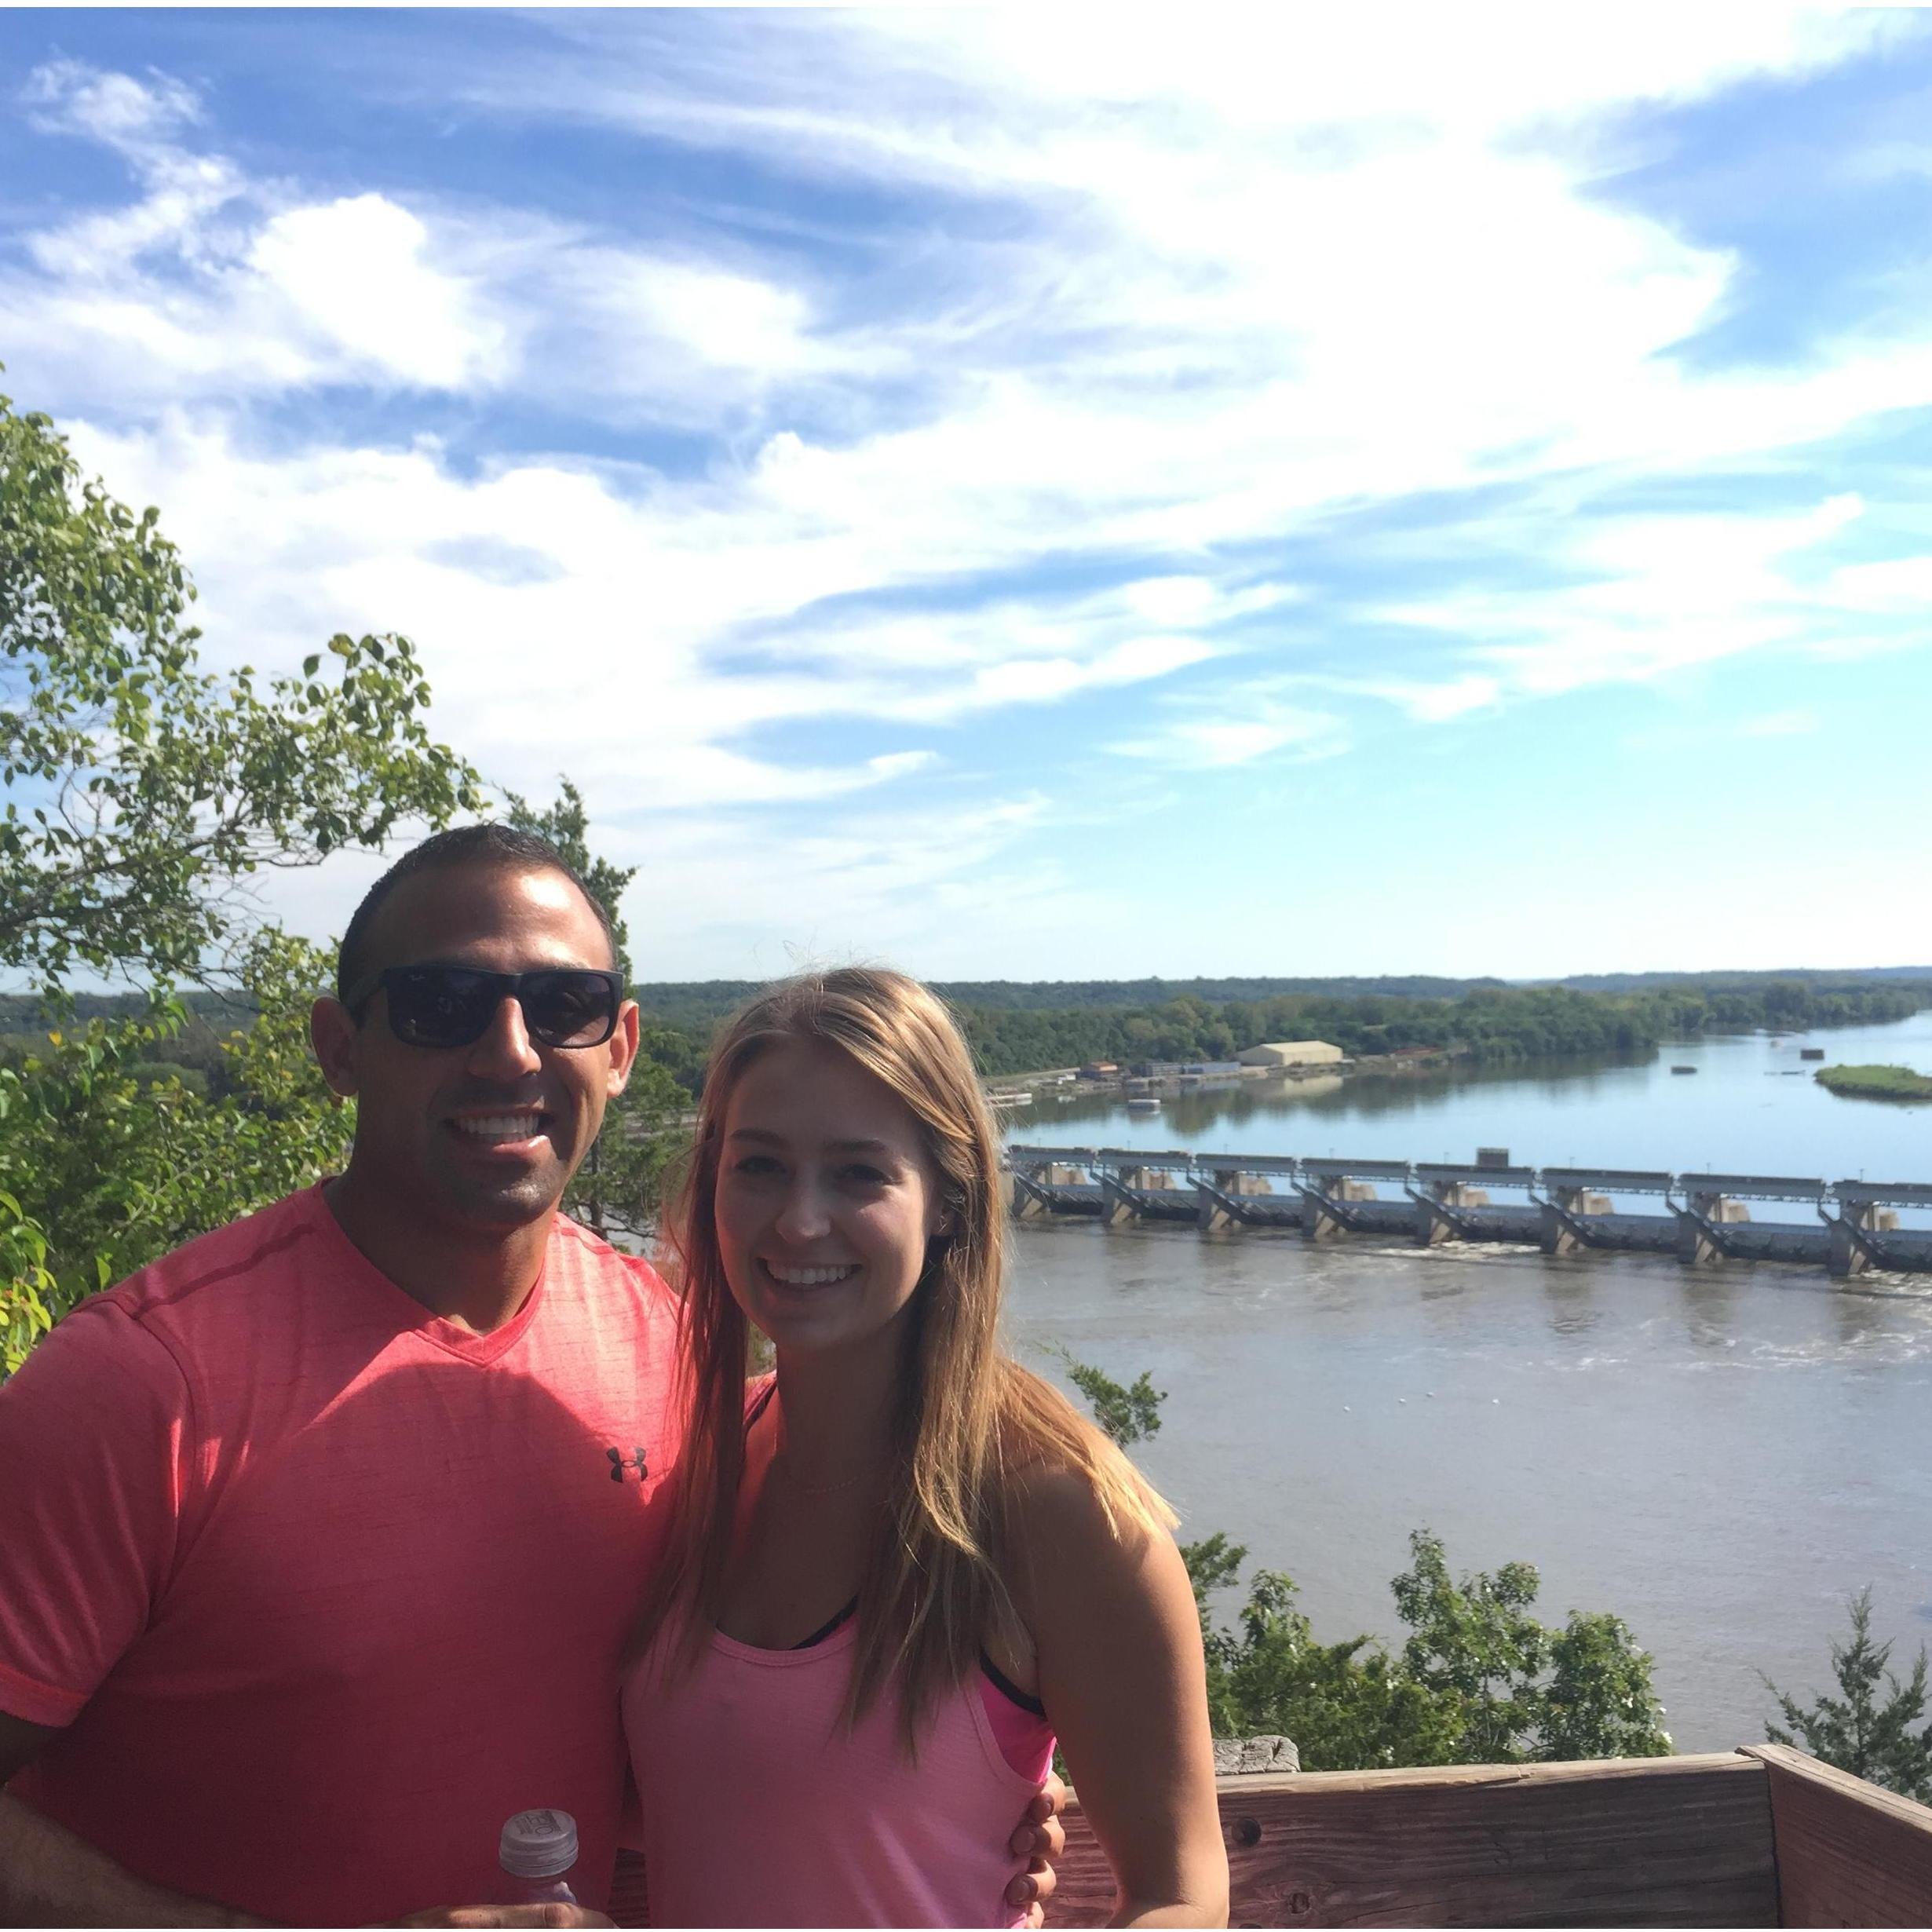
485,1135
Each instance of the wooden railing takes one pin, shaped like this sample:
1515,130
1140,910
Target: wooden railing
1848,1854
1762,1836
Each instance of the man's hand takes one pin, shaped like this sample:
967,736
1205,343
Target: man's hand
1040,1838
507,1915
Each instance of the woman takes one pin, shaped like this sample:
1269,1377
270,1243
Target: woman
905,1563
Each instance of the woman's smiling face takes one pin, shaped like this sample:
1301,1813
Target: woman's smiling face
827,1201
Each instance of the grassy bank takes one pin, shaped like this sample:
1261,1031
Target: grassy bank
1875,1082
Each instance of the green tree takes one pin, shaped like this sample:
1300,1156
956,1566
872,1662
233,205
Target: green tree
142,794
620,1187
1600,1701
1126,1415
1348,1706
141,790
567,826
1870,1736
120,1166
1476,1645
1479,1680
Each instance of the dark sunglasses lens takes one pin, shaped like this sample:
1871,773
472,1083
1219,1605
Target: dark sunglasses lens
569,1009
440,1006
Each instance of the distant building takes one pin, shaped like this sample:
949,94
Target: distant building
1099,1070
1292,1053
1210,1069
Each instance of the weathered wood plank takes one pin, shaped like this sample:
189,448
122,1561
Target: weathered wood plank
1656,1841
1848,1854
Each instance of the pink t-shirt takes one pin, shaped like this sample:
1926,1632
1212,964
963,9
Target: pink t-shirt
323,1586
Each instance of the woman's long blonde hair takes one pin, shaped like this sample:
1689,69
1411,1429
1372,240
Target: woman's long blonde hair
967,1417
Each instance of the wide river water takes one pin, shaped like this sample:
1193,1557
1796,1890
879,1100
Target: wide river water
1719,1456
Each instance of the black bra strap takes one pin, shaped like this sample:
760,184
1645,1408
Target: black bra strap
1008,1689
825,1629
994,1675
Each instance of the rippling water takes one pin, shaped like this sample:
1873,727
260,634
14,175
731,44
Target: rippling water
1719,1456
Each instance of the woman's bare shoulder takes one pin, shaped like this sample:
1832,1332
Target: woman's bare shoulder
1059,1521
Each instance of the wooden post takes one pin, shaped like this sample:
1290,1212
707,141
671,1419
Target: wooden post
1848,1854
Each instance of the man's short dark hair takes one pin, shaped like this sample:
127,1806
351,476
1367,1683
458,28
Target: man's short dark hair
501,845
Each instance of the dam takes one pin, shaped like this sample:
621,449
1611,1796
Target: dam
1706,1219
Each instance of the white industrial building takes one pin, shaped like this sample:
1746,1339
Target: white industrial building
1292,1053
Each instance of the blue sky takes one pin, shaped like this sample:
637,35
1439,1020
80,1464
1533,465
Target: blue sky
1020,495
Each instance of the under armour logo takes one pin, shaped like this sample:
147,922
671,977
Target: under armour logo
620,1462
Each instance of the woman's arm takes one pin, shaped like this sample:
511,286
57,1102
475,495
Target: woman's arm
1122,1676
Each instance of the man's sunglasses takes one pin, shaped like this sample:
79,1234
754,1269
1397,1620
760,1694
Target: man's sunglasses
452,1005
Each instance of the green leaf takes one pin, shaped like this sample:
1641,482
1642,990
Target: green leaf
121,1138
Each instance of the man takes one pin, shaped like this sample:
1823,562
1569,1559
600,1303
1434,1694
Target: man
320,1537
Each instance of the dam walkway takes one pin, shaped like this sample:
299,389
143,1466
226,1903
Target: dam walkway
1848,1227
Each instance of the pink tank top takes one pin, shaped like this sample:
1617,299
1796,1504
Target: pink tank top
760,1807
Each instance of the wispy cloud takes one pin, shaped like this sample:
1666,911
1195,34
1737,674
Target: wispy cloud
1654,595
1236,726
869,390
212,284
137,115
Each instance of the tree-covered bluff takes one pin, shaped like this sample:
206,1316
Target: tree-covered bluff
1485,1022
1489,1023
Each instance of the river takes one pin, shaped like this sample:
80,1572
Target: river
1719,1456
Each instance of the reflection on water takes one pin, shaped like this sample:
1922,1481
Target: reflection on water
1751,1107
1720,1457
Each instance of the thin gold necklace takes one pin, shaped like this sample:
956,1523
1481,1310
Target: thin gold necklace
825,1488
783,1445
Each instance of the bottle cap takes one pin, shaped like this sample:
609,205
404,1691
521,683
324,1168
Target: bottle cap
540,1844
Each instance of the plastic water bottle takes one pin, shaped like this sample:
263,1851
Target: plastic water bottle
537,1850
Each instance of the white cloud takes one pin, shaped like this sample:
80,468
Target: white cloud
353,273
676,777
1221,307
1228,310
1897,586
1656,594
1482,66
1435,704
1180,298
1103,633
1172,599
736,320
608,650
945,892
1190,738
184,195
70,97
945,889
1039,681
212,283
